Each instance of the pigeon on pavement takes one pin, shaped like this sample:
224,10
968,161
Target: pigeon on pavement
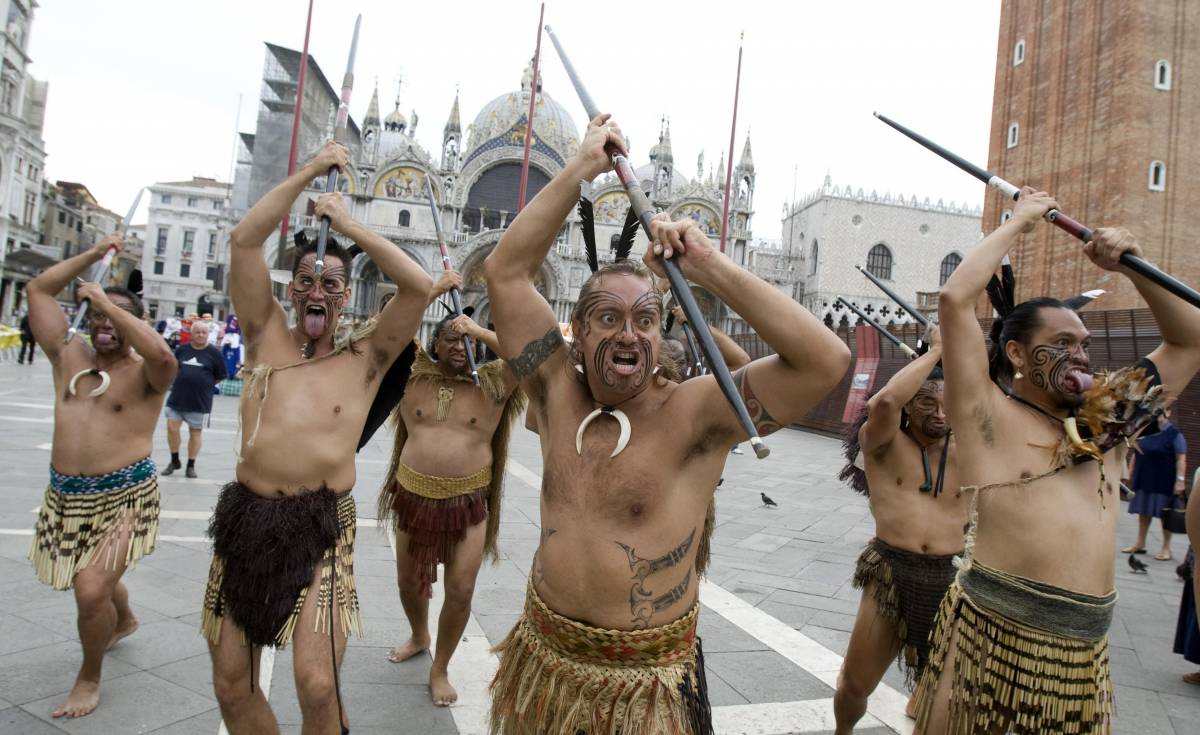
1137,565
768,502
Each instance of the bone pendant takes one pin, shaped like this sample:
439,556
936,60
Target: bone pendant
616,413
95,392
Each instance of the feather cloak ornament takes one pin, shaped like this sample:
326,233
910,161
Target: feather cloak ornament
628,233
1118,408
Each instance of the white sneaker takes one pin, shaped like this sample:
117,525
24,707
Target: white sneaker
736,450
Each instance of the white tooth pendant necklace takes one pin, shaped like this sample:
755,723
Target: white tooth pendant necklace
95,392
616,413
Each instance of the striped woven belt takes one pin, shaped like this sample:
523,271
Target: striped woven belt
1039,605
136,473
441,488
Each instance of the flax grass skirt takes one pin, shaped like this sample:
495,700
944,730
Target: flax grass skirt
1005,672
276,549
434,526
73,530
558,676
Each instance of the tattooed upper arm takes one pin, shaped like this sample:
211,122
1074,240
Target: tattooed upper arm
535,353
763,421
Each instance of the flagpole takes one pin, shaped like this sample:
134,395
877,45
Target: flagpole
732,131
533,85
291,169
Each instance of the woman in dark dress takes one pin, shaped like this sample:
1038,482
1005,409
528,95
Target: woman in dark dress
1158,471
1187,630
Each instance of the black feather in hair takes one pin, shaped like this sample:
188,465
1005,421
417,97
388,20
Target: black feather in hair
300,238
1001,290
587,224
134,284
628,232
852,474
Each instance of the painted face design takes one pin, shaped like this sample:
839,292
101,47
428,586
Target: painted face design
926,411
105,337
624,356
318,305
450,350
1061,370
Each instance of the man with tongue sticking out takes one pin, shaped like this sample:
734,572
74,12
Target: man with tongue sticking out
283,532
100,513
1021,639
631,460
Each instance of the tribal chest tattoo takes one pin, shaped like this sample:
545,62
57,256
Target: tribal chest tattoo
643,602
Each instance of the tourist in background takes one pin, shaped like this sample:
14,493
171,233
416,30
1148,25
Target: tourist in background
1157,478
201,367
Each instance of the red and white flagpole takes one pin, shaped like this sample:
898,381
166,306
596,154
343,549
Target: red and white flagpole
283,230
732,131
537,53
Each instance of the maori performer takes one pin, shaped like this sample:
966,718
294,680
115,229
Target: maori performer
100,512
1021,640
906,569
607,641
444,485
283,531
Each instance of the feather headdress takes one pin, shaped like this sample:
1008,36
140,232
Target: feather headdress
587,224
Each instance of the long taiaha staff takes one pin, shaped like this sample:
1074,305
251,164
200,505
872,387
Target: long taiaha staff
455,296
339,134
1055,217
737,90
533,88
921,318
689,335
879,328
683,295
105,265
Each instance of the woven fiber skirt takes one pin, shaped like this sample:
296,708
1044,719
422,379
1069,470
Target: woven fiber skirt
265,552
79,514
558,676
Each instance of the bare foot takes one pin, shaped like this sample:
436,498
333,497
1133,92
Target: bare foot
440,690
124,630
84,697
910,709
411,648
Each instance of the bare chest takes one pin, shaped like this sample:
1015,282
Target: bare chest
453,404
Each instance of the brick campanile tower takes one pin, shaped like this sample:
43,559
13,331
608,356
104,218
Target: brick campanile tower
1098,102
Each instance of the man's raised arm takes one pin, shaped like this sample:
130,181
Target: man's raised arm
964,351
883,410
810,358
399,320
46,318
525,323
249,276
1178,357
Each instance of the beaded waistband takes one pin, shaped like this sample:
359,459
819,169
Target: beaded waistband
133,474
440,488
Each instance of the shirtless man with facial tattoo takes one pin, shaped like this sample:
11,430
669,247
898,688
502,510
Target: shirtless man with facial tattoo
283,532
1021,639
100,513
630,462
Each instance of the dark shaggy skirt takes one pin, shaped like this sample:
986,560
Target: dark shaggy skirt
265,552
908,591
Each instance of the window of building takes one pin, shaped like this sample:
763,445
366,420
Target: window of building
189,242
185,270
212,243
159,265
195,201
30,206
405,218
812,263
879,262
62,216
179,307
166,198
160,247
1162,74
1158,176
1014,135
1019,52
79,225
210,273
949,263
217,202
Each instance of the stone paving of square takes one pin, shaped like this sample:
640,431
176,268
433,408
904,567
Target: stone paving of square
778,605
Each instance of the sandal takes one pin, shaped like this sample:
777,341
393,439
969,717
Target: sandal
1192,678
1133,550
1164,557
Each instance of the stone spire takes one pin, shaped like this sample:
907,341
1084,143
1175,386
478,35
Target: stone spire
452,123
747,162
372,118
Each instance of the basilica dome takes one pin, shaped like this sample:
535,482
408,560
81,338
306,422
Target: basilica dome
501,123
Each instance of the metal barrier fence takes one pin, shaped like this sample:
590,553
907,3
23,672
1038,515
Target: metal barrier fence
1119,338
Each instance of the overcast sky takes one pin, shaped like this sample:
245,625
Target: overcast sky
145,90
